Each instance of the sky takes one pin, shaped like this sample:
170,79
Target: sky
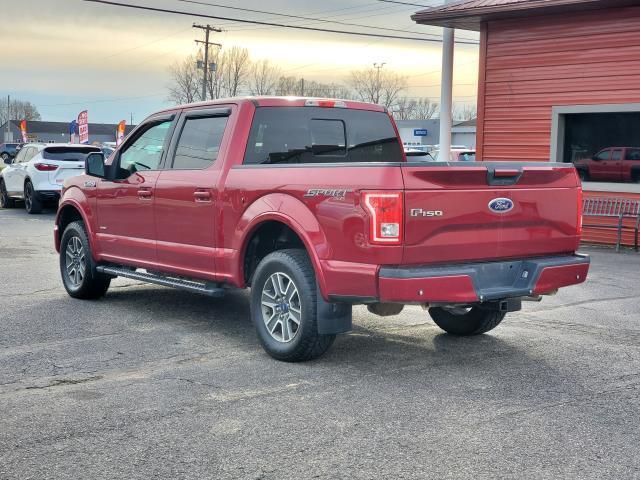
71,55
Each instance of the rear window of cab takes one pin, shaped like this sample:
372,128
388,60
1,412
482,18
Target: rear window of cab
301,135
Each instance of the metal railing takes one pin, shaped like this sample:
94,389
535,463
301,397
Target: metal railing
610,207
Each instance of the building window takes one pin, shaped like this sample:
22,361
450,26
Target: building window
601,142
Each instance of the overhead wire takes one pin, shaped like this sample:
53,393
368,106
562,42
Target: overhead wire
257,22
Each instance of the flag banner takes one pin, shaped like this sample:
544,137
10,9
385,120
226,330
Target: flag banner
73,132
83,126
23,130
120,132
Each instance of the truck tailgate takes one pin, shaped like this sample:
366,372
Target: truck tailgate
489,211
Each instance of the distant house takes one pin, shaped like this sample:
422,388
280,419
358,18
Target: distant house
58,132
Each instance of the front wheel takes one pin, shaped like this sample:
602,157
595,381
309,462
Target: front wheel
77,267
284,307
32,203
466,321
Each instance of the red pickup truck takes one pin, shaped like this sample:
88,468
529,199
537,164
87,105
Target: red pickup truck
613,164
313,204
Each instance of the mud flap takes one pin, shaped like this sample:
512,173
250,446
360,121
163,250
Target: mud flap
332,317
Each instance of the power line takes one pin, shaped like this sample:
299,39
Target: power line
101,101
256,22
300,17
405,3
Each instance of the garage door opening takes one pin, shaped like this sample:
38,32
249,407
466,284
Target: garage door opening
603,145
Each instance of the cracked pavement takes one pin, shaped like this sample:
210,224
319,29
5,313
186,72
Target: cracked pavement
155,383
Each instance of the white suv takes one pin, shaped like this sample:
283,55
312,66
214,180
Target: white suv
38,171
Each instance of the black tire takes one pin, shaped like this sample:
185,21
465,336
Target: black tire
32,203
305,343
4,156
92,284
466,322
5,200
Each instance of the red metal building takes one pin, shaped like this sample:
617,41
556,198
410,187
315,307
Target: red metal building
544,65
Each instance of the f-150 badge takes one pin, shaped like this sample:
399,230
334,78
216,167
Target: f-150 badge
419,212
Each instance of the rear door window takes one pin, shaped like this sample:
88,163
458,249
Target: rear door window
286,135
632,154
199,142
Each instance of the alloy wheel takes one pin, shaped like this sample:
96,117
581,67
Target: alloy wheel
281,307
75,263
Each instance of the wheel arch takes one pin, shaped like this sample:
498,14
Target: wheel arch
292,215
68,212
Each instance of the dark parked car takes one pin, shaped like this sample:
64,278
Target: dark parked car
8,150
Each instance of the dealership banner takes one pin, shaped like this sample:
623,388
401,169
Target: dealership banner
73,132
120,132
23,130
83,126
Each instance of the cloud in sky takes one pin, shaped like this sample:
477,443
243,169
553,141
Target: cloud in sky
65,55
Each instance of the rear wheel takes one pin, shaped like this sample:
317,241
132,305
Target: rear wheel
32,203
284,307
77,267
466,321
5,200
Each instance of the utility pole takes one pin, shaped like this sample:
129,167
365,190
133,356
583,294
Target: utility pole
302,87
8,138
208,29
378,67
131,118
446,90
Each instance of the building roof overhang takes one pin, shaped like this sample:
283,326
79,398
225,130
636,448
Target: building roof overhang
470,14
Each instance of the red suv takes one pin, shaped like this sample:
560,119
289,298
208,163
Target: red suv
313,204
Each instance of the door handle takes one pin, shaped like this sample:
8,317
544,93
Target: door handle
202,196
144,193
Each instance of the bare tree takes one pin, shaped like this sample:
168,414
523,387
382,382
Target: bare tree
186,86
235,70
407,108
264,78
464,111
18,110
377,86
288,86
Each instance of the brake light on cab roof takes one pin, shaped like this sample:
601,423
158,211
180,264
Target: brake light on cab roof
325,103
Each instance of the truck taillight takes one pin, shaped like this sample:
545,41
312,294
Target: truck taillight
45,167
580,207
385,213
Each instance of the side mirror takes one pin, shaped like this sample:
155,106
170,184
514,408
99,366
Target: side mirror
94,165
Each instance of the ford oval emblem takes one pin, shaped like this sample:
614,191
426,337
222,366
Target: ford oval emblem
501,205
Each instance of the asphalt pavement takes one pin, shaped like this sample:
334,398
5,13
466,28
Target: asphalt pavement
156,383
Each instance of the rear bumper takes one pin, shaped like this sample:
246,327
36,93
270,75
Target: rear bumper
481,282
48,195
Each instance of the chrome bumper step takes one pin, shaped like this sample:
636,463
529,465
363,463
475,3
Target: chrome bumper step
205,288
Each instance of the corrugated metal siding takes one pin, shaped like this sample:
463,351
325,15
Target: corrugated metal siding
534,65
